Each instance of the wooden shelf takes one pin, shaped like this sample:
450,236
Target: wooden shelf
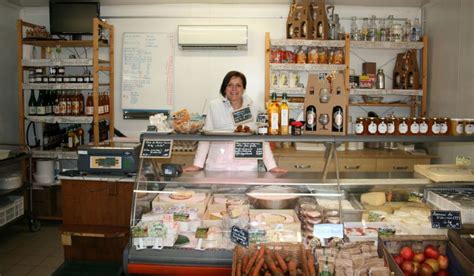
386,45
62,43
49,218
305,42
387,92
306,67
385,104
44,62
57,86
51,119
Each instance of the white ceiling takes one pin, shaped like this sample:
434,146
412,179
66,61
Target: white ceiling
377,3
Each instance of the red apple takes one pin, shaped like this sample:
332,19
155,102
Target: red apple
419,257
416,268
426,270
443,261
398,259
407,253
431,252
407,266
443,273
433,263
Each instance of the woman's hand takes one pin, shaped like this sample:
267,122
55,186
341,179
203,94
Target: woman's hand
191,168
278,170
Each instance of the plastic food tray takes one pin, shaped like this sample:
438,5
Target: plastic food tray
436,198
11,207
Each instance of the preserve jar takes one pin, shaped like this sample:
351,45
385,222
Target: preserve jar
424,129
414,124
361,126
382,126
402,126
391,125
371,126
444,126
469,126
434,126
457,127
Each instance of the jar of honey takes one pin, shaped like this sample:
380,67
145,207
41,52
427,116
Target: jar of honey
423,126
402,126
391,125
444,126
382,127
457,127
372,126
361,126
469,126
414,126
434,126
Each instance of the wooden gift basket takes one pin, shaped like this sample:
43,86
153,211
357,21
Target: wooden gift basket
300,23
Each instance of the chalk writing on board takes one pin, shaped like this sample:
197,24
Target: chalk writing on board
446,219
248,149
156,148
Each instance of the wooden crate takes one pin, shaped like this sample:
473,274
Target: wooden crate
292,251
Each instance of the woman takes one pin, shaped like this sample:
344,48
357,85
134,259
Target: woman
219,156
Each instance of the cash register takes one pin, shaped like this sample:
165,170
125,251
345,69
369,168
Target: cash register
109,158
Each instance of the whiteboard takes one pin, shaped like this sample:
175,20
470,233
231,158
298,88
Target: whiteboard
148,71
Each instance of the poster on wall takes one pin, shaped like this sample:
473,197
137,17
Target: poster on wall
147,71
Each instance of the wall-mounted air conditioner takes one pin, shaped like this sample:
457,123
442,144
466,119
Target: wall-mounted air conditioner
212,37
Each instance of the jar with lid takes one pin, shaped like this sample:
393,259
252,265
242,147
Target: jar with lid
402,126
361,126
414,125
434,126
424,129
391,125
469,126
397,33
382,127
45,79
444,126
372,126
457,127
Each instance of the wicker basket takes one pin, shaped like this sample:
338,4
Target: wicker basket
293,251
391,245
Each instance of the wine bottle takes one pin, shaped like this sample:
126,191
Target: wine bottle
311,118
337,119
284,115
89,105
41,107
32,104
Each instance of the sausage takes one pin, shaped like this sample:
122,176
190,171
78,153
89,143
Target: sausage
258,266
251,262
292,267
271,265
281,262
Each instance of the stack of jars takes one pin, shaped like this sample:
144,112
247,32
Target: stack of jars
312,55
413,126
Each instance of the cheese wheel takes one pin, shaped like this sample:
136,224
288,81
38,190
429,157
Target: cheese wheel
374,198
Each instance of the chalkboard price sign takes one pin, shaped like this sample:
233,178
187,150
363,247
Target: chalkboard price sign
248,149
242,115
239,236
156,148
446,219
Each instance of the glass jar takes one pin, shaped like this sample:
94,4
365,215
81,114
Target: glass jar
45,79
469,126
397,33
372,126
361,126
322,56
424,129
457,127
434,126
60,71
382,127
39,71
414,124
402,126
391,125
444,126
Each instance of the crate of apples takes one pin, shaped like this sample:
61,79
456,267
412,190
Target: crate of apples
428,262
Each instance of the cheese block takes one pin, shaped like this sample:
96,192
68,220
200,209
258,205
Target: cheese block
374,198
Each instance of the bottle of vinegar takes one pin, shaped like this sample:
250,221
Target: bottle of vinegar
284,115
273,116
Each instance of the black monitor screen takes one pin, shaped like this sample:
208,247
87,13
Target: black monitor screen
72,17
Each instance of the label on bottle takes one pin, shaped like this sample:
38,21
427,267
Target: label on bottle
70,142
460,128
41,110
310,116
274,122
101,109
62,108
56,109
423,128
382,128
106,109
75,108
443,128
403,128
284,117
391,128
415,128
435,128
338,119
469,128
89,110
359,128
372,128
32,110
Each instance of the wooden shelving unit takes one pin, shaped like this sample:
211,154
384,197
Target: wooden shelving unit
97,65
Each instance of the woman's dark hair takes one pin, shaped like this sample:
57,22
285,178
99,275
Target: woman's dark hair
229,76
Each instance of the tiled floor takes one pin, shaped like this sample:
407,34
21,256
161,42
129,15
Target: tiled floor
30,253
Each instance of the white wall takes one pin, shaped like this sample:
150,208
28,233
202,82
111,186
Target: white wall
198,74
451,59
8,88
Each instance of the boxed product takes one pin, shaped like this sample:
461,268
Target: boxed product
278,225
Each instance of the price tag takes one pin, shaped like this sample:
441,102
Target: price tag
239,236
156,148
325,231
248,150
446,219
242,115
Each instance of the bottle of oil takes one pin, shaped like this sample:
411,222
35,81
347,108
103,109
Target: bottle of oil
284,115
273,116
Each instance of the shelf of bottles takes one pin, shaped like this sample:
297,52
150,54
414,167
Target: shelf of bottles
47,62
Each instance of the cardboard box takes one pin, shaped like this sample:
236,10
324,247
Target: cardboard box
461,248
369,68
